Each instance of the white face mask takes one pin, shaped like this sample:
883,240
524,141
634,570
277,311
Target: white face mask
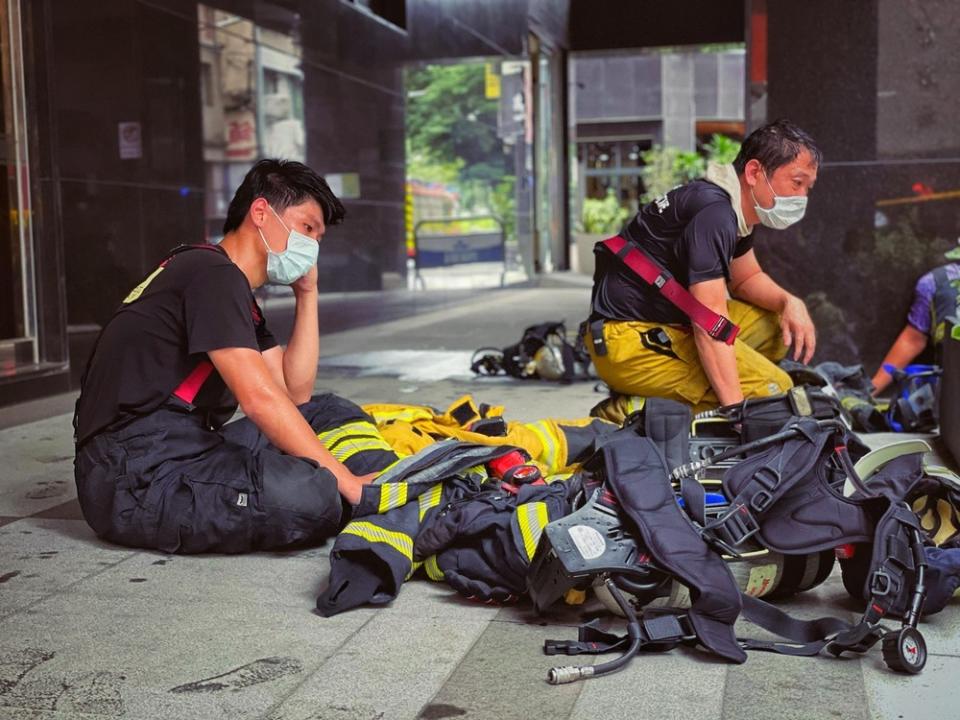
287,267
786,210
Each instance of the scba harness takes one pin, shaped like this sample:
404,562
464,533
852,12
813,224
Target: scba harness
630,536
543,352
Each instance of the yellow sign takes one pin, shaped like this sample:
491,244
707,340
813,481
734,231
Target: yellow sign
491,82
408,218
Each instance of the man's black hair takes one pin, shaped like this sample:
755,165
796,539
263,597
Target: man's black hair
282,183
775,145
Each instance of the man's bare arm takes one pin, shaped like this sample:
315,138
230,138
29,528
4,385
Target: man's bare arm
719,360
750,283
909,343
266,403
303,351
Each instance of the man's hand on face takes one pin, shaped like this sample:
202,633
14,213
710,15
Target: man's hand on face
798,329
306,284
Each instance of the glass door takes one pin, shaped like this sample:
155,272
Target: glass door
18,317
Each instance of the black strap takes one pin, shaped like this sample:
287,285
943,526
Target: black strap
659,630
596,337
776,621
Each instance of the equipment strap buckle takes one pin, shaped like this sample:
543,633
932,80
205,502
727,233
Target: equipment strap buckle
769,479
738,524
666,627
596,337
722,329
568,647
857,639
881,583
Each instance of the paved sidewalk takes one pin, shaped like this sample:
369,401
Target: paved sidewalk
88,630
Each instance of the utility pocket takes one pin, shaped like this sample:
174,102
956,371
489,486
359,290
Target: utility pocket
209,514
657,340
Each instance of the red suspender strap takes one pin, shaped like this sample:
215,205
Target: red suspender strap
188,389
716,326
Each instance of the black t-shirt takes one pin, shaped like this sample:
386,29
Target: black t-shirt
691,232
196,300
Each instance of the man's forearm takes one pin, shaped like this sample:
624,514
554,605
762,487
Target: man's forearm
303,351
719,362
761,290
909,343
285,427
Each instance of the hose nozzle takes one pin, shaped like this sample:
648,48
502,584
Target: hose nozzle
568,674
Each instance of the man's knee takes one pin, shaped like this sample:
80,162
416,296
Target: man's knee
774,382
327,411
297,502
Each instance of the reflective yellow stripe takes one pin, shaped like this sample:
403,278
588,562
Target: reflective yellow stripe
348,448
362,429
392,495
635,403
432,569
548,455
407,414
429,499
358,426
532,518
400,542
480,471
413,568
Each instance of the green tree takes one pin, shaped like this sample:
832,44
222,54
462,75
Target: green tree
449,118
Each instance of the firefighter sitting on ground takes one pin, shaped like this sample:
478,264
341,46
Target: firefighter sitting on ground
700,234
155,465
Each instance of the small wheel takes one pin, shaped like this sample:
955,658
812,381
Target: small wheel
905,650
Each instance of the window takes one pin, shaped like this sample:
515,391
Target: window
613,165
393,12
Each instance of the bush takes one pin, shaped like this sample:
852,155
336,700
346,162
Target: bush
605,216
667,167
